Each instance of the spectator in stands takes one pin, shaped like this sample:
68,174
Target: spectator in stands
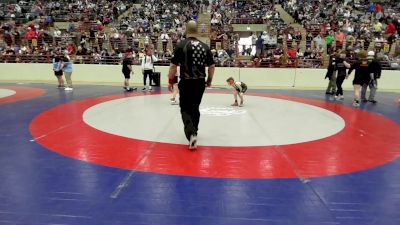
265,38
292,53
253,38
329,40
164,39
391,28
31,36
340,37
318,41
57,32
378,28
298,37
259,45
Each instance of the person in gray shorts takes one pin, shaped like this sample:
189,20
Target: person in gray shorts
240,89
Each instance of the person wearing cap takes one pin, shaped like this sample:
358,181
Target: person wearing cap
375,73
240,89
361,76
192,56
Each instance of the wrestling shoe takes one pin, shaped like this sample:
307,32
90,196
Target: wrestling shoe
173,101
235,104
129,89
193,142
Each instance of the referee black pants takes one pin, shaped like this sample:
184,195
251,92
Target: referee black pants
190,95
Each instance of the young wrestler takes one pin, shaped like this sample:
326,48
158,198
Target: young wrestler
240,89
174,89
127,71
361,76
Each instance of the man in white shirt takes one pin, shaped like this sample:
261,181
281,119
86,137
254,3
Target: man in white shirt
148,66
164,39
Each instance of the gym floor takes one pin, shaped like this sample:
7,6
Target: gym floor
97,155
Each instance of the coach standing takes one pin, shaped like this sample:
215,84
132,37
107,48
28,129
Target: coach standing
192,56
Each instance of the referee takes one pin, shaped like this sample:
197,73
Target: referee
192,56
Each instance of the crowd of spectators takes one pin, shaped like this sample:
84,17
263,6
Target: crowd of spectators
350,25
226,13
154,22
38,40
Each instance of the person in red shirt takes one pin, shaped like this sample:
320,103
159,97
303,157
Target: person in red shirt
340,36
31,34
292,53
391,28
378,8
70,48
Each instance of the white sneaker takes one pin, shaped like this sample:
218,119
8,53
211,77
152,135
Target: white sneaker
341,97
193,142
68,89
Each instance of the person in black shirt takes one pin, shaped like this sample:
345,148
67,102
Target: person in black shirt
361,76
192,56
341,67
127,70
375,73
331,75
